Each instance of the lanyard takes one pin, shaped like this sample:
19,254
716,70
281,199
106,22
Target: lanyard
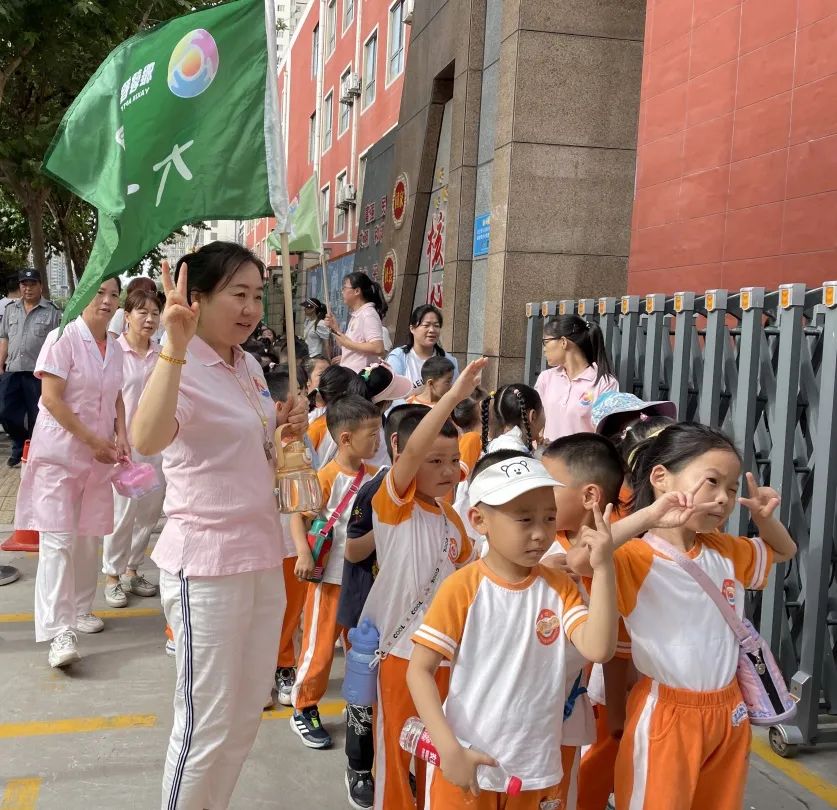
268,442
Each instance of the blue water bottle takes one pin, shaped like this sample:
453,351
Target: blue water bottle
360,684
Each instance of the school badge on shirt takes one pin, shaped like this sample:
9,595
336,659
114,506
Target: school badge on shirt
547,627
728,590
261,387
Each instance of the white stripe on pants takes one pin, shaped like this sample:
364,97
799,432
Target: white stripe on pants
134,520
65,584
226,632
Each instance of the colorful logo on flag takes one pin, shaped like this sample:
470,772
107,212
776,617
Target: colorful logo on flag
193,64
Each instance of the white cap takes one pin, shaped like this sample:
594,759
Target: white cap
506,480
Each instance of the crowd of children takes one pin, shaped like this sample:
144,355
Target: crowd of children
518,554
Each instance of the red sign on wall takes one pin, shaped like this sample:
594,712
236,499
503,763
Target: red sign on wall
389,275
399,200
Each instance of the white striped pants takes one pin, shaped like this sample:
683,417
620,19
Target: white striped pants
226,633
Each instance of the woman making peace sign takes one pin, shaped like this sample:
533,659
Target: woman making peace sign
206,407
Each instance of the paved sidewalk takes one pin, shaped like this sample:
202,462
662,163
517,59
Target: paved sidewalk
9,482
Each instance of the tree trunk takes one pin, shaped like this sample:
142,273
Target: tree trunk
34,208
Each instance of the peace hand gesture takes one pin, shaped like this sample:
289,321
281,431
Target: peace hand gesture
599,540
675,509
179,318
762,501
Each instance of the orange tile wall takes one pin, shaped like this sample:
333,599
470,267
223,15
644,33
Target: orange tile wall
737,146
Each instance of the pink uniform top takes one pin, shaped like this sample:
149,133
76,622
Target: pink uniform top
63,488
135,371
222,515
568,403
364,325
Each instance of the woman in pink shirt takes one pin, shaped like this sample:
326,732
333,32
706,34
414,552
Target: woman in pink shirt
362,344
124,549
65,489
207,408
580,370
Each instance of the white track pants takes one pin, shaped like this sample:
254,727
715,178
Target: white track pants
65,584
226,633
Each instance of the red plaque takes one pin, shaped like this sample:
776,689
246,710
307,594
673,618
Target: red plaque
399,200
389,274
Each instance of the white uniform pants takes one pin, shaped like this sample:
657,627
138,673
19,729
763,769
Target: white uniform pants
226,635
134,520
65,584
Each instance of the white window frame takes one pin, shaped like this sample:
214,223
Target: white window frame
328,118
391,77
315,51
330,29
348,4
347,107
364,105
361,179
340,213
312,137
325,211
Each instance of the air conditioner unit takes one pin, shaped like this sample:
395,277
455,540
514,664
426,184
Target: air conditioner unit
408,12
346,196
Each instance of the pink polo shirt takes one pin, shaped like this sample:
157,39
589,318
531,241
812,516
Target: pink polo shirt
135,373
222,515
364,325
568,403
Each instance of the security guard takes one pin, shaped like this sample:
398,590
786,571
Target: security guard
25,325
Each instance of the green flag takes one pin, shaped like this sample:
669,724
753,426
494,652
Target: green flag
304,232
178,124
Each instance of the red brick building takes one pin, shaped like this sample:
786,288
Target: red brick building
340,89
737,149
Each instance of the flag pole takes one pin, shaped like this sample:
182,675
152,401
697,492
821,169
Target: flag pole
290,332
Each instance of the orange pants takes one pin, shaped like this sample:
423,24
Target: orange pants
445,796
320,631
295,591
595,775
683,750
392,764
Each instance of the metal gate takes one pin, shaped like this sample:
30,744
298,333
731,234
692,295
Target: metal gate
763,367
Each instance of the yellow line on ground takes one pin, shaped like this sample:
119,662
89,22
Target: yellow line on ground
118,613
331,708
21,794
812,782
76,725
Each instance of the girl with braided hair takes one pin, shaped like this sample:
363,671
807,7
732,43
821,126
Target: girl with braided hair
516,417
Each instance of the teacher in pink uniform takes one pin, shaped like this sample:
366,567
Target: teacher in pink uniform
207,408
65,491
362,344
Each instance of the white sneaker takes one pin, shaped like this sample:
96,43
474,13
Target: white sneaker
64,650
88,623
115,596
138,585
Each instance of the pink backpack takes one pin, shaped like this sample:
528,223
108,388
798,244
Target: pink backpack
759,678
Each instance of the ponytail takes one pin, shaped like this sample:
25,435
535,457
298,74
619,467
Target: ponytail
485,412
524,418
371,291
587,336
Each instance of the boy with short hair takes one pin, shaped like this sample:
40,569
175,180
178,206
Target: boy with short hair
513,631
354,424
437,378
420,541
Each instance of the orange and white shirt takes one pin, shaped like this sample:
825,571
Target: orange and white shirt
411,537
324,445
510,645
335,482
470,449
678,635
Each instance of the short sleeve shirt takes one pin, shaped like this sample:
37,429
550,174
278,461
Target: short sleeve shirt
510,645
27,333
364,326
678,635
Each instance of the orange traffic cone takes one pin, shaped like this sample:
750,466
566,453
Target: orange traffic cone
22,539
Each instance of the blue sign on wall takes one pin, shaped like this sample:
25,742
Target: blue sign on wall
482,234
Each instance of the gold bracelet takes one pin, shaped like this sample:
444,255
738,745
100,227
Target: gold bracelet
173,360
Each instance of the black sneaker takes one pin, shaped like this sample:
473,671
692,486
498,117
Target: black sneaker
360,789
13,462
285,679
309,728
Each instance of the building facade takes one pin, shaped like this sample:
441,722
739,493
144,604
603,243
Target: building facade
340,88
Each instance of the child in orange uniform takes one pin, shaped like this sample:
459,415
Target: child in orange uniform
687,737
513,631
420,541
354,425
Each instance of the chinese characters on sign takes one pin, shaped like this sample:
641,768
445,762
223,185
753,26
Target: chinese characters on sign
435,247
140,79
389,275
399,200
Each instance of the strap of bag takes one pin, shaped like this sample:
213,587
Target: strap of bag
738,627
403,627
344,501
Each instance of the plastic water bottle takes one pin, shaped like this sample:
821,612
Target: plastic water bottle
360,684
415,740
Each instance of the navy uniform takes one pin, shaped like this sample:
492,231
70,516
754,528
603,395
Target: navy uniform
22,334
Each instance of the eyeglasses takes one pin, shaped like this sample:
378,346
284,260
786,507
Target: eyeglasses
548,340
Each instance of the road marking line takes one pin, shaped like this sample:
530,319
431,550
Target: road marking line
812,782
21,794
76,725
331,708
117,613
